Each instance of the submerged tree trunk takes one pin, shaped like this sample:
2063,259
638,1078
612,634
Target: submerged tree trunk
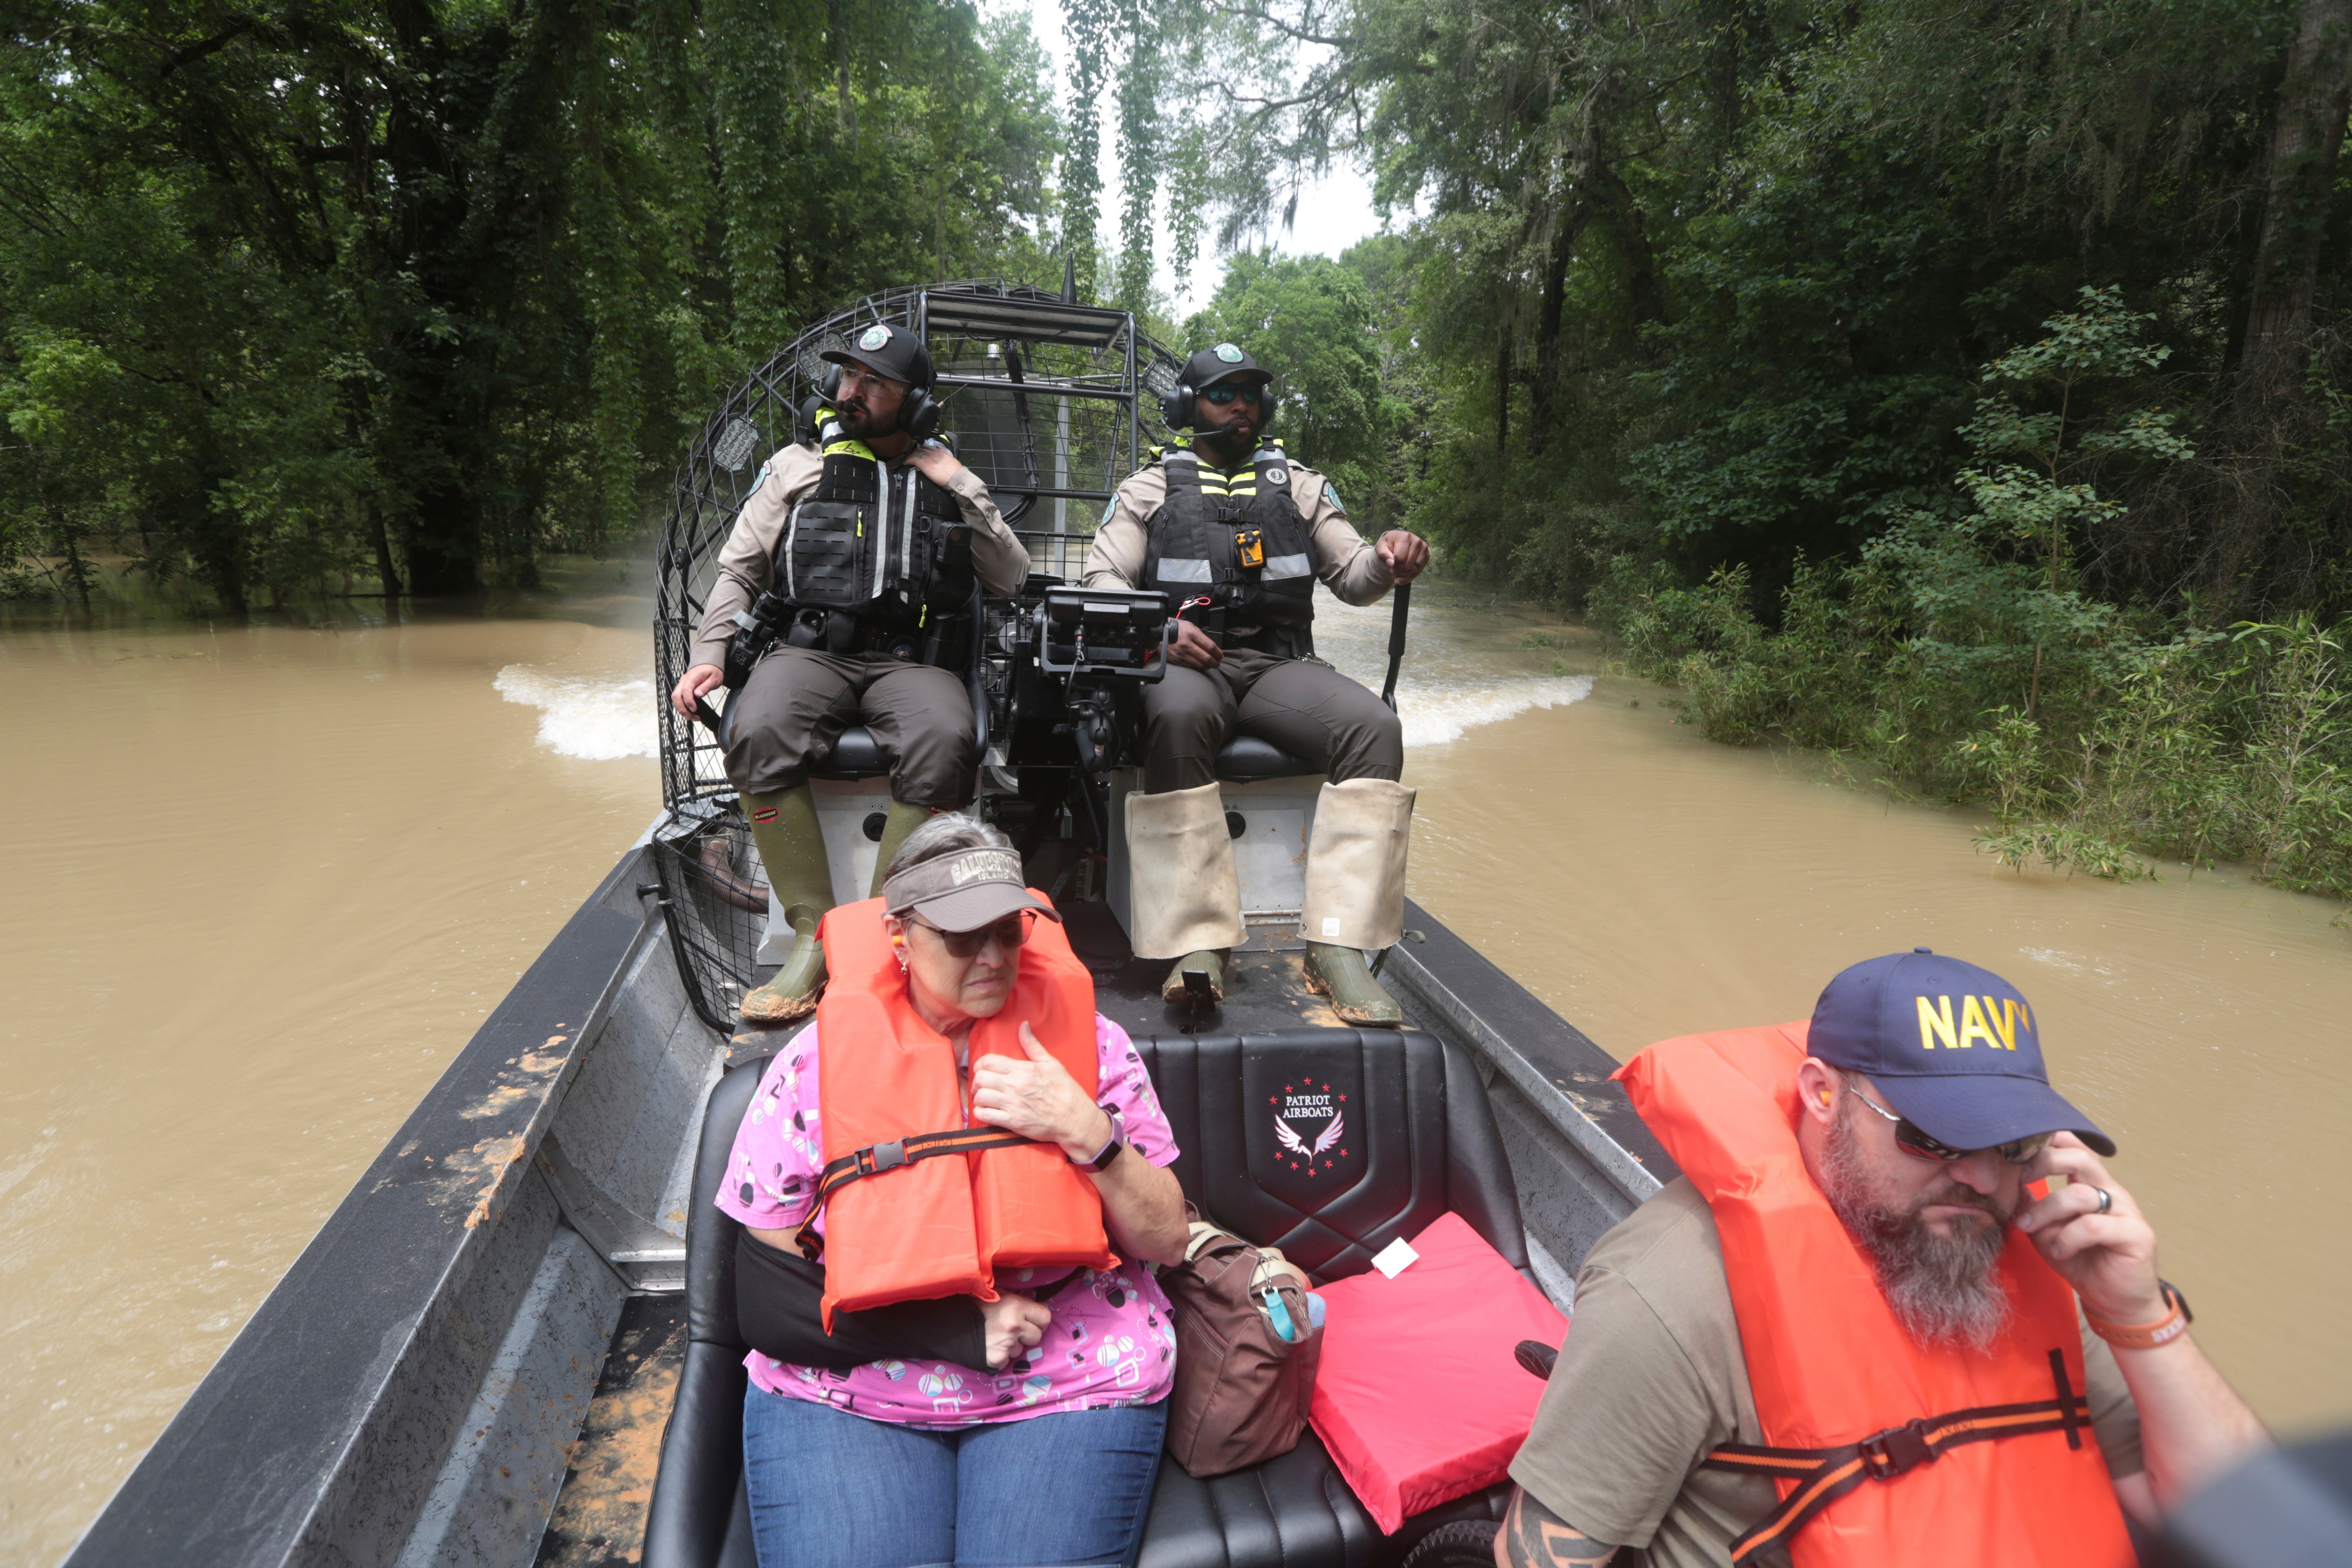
2305,144
387,578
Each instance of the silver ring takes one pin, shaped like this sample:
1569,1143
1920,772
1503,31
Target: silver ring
2107,1199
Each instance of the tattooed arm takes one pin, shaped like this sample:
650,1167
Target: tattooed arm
1534,1537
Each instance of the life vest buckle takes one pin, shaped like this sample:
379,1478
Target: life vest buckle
877,1157
1896,1450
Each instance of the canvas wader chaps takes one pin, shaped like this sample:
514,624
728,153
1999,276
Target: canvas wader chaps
1184,896
1355,893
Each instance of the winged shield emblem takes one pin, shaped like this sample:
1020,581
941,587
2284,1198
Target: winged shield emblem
1291,1143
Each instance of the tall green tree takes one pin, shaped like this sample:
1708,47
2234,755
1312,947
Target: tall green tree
421,289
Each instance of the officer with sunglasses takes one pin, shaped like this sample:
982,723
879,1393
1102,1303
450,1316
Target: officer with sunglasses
1236,534
1871,1248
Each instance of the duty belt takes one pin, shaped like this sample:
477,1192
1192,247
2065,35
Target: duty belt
1824,1474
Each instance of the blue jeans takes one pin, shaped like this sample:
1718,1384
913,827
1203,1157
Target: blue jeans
830,1489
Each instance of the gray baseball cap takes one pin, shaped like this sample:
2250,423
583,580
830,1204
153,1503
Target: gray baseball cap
965,890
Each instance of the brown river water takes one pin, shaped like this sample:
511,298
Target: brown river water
264,881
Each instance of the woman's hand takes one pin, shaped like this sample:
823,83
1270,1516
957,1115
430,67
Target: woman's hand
1038,1099
1012,1323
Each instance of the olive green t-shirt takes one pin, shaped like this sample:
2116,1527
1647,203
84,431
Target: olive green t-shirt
1652,1378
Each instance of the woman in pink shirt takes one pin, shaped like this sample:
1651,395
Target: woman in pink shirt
1024,1431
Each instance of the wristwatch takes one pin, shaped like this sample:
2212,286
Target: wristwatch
1110,1151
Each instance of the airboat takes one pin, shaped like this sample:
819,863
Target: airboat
513,1342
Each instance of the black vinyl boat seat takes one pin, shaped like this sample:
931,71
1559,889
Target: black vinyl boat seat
1245,759
1418,1139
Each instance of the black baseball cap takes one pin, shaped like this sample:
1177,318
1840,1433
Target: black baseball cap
886,350
1223,363
1953,1047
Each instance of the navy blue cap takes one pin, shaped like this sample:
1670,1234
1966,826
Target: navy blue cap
1953,1047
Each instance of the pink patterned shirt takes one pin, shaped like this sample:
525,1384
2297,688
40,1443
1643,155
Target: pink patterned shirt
1109,1343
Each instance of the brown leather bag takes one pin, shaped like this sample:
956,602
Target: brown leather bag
1242,1390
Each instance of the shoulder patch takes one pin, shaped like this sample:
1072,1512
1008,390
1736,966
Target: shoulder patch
1332,494
1110,507
761,478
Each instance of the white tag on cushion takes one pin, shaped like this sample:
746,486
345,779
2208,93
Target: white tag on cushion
1395,1257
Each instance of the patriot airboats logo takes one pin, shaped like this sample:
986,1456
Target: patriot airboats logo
1309,1122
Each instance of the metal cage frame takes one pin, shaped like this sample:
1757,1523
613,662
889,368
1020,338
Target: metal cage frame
1004,355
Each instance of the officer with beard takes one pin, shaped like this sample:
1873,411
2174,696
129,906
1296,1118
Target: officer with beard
1237,535
888,534
1867,1286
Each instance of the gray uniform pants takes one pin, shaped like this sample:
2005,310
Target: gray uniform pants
1309,710
797,701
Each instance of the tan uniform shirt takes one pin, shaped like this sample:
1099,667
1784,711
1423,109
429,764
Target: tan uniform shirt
1350,567
1652,1378
746,564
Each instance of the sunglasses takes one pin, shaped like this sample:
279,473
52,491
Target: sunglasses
1912,1141
1218,396
1007,933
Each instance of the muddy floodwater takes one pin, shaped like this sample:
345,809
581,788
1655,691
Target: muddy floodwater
265,881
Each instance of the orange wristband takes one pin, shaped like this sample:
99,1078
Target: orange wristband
2145,1336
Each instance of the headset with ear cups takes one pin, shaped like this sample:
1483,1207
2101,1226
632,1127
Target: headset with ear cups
918,416
1176,408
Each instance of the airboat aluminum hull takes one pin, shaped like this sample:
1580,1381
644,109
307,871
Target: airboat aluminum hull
471,1361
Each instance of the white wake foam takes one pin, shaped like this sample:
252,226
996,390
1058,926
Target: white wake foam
597,721
1435,715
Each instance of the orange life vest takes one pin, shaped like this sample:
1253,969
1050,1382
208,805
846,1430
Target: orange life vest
901,1224
1884,1451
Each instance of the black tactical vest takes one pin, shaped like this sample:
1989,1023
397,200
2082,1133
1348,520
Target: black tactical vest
882,549
1240,543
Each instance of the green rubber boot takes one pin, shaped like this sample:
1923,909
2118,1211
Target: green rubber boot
903,819
1210,962
1339,974
792,847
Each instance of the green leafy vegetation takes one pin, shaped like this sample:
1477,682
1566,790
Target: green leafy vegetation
405,294
1960,388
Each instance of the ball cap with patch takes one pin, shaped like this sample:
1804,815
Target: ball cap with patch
966,889
886,350
1953,1047
1224,362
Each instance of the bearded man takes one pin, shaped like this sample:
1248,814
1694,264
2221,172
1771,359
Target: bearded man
865,630
1866,1325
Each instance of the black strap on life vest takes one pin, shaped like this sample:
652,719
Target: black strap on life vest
1824,1474
876,1158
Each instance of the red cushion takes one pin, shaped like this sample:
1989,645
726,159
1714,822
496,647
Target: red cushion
1417,1396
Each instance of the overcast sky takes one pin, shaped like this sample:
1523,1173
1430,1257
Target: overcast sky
1334,213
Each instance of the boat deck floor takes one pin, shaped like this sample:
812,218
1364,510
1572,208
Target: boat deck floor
600,1515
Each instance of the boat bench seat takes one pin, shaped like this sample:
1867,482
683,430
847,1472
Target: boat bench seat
1416,1140
1245,759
